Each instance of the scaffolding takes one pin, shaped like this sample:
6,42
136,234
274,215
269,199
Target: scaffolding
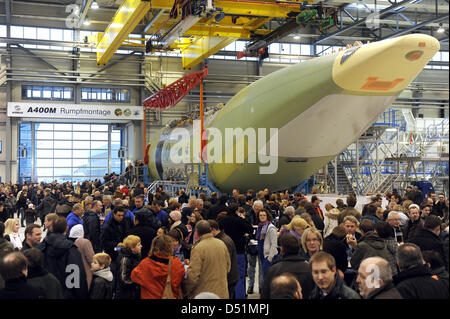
395,151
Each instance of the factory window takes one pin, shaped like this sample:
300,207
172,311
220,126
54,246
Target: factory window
105,95
295,49
49,93
305,49
68,152
274,48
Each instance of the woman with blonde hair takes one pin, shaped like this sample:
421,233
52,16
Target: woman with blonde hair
330,219
312,242
12,227
296,227
129,258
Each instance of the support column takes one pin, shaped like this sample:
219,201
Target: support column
357,164
8,137
109,148
377,173
335,176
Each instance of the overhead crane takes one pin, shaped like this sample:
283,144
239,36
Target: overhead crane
198,28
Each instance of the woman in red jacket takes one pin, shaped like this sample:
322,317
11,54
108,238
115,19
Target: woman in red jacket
151,273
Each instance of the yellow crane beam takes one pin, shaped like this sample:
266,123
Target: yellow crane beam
234,31
245,7
126,18
201,48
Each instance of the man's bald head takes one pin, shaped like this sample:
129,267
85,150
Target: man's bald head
373,274
13,266
285,286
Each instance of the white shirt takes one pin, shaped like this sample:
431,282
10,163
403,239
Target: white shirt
16,240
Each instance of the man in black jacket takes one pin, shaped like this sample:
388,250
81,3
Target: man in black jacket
91,224
236,227
64,261
414,280
115,232
428,238
291,262
439,206
336,245
318,222
144,231
219,207
14,269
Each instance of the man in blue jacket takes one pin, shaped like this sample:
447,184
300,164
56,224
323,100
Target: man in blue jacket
74,218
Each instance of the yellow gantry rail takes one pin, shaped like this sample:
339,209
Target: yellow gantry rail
244,7
208,36
126,18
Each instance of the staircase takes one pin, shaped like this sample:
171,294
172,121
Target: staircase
388,183
343,184
441,184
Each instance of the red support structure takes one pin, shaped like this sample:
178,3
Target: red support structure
175,92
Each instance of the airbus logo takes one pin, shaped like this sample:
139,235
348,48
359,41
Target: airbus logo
17,107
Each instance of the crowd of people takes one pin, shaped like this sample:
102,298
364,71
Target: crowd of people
108,241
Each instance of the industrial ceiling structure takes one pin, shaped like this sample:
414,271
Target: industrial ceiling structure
201,28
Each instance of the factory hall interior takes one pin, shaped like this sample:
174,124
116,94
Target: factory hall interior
224,149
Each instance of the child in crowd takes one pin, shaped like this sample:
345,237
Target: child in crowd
162,231
101,287
129,257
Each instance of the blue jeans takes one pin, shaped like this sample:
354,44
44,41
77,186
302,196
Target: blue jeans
240,286
251,269
264,265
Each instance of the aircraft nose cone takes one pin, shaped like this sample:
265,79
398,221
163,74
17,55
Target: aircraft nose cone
386,66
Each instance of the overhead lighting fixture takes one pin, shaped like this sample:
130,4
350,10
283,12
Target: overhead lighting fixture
94,5
296,37
441,28
86,21
360,4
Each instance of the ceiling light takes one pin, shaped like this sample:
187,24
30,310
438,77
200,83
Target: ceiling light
86,21
296,37
441,28
94,5
360,4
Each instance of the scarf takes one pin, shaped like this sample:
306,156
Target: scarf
105,273
262,229
293,232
